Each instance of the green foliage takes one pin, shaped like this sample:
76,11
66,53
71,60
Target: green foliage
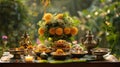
105,18
102,17
12,11
13,16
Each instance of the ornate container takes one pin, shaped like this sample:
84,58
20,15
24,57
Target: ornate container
25,40
16,52
89,42
100,52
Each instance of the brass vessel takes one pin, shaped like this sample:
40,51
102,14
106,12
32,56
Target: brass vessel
89,42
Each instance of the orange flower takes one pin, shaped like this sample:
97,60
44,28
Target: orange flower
59,31
41,31
74,31
52,31
67,30
47,17
59,16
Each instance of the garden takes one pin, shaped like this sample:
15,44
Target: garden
44,30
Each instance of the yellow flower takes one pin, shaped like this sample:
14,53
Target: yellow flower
67,30
59,31
41,31
47,17
50,39
52,31
74,31
59,16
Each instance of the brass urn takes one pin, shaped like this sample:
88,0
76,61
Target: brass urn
89,42
25,40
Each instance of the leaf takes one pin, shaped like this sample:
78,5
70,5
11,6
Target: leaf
76,21
42,39
85,12
102,1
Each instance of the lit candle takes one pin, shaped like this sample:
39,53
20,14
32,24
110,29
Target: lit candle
29,59
16,49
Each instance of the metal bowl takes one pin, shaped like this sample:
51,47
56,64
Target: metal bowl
60,57
16,53
99,52
78,55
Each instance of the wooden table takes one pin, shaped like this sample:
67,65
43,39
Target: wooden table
76,64
70,64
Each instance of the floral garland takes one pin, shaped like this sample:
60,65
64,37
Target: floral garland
57,26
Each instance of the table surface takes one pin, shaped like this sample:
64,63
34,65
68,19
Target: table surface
76,64
68,64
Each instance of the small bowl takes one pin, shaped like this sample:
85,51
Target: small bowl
99,52
59,57
43,55
78,55
39,53
14,51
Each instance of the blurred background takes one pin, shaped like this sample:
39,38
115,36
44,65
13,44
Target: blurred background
100,16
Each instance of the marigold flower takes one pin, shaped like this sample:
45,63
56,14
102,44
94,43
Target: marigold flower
59,16
47,17
74,31
52,31
59,31
67,30
41,31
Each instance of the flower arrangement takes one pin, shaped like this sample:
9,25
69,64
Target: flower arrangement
57,26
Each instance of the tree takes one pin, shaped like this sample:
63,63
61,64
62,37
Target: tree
13,15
